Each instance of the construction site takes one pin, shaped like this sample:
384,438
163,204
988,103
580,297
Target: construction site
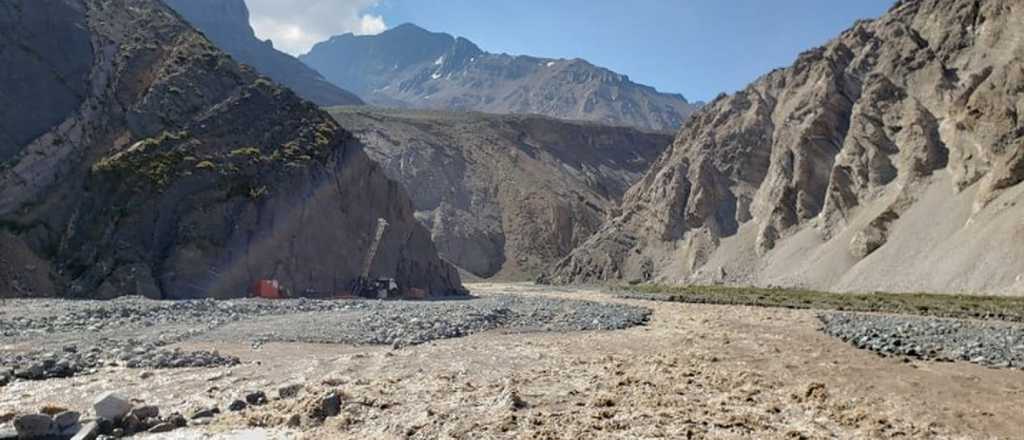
362,287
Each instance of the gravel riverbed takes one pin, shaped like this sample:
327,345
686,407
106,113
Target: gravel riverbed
992,344
689,371
404,323
53,338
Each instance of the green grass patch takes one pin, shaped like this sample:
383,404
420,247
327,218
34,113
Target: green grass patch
925,304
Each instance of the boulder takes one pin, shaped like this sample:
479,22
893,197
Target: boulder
105,426
34,426
66,419
70,431
111,406
131,424
237,405
330,405
177,420
256,398
205,413
290,391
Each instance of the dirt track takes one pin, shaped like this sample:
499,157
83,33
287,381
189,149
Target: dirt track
696,371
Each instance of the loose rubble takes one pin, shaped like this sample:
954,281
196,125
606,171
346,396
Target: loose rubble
129,313
88,335
693,371
41,365
116,416
401,324
113,415
992,344
59,339
85,336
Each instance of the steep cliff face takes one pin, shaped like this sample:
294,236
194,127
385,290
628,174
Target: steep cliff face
889,159
44,73
226,23
505,196
182,174
410,67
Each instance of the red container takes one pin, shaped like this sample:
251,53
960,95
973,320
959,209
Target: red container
269,289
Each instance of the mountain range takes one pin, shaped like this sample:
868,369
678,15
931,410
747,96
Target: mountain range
226,24
505,196
889,159
139,155
146,161
408,66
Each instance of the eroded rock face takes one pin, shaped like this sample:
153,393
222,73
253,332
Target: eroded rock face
183,174
411,67
226,23
888,159
505,196
44,73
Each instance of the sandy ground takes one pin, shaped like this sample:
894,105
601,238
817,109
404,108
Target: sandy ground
696,371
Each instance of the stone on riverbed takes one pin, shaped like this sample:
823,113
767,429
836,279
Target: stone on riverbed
66,419
35,426
111,406
330,405
89,431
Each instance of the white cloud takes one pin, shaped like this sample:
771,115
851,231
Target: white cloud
371,25
296,25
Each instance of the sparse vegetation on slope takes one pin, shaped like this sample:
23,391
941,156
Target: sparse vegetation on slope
186,175
925,304
226,23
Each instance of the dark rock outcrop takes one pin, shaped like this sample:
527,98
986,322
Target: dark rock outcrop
183,174
226,23
410,67
45,73
505,196
889,159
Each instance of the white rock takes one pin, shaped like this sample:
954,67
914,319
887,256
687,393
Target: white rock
111,406
89,431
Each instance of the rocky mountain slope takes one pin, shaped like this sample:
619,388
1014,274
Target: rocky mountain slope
226,23
505,196
163,168
889,159
410,67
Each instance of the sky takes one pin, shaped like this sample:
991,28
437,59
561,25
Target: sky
699,48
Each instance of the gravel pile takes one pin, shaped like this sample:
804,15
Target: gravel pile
72,361
992,344
136,312
404,324
79,337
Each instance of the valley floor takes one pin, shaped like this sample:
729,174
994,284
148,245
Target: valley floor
693,371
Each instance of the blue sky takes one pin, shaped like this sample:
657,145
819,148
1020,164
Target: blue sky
695,47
